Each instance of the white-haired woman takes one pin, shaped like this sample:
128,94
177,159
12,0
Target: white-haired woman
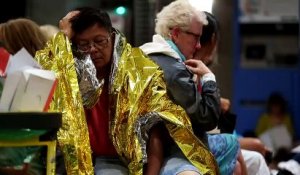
178,28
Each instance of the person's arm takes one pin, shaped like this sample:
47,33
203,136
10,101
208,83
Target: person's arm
65,24
225,105
155,151
253,144
208,100
202,108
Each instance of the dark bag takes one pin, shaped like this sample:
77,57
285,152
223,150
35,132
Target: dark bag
227,122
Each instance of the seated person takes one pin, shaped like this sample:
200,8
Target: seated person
16,34
130,100
276,121
172,49
255,162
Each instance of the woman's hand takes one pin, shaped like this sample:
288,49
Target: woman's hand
197,67
65,24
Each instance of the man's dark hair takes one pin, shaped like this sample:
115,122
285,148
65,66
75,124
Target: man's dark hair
211,28
88,17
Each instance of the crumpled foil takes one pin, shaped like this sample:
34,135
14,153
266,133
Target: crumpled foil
73,138
90,87
138,100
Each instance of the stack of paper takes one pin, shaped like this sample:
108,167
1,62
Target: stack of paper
26,87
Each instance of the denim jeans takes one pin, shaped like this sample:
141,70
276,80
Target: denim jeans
174,164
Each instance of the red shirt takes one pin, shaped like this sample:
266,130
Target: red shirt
98,125
199,87
4,56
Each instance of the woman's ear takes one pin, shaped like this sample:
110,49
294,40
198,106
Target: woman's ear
174,34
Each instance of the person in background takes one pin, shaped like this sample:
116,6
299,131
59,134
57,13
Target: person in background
291,166
16,34
251,147
276,119
49,30
132,85
173,48
22,32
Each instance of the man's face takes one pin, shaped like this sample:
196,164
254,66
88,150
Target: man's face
97,42
188,41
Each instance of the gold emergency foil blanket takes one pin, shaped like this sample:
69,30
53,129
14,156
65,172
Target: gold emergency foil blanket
89,85
73,136
138,101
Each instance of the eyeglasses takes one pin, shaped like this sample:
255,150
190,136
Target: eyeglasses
196,36
99,43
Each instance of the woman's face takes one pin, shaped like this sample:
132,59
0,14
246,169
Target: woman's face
97,42
187,41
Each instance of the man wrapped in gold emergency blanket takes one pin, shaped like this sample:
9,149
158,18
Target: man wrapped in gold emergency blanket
138,100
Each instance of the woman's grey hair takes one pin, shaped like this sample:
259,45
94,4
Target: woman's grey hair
177,14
